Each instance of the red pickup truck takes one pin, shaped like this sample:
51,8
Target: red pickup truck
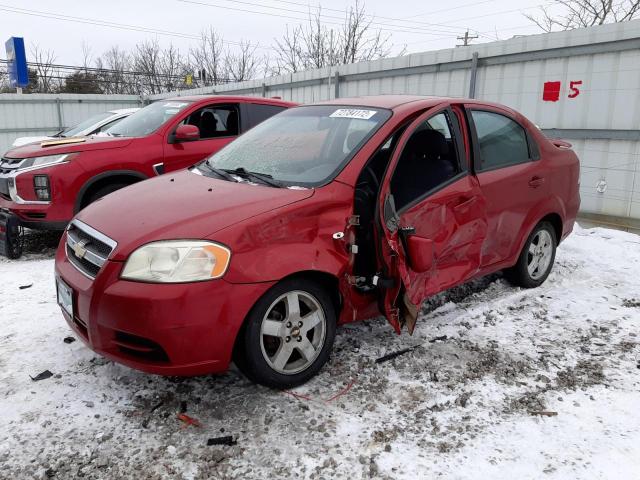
43,185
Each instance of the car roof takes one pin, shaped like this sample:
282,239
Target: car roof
393,102
384,101
231,98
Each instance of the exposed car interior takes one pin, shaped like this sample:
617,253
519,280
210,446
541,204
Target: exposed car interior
429,159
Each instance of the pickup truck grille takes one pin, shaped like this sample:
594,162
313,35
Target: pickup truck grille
87,249
7,167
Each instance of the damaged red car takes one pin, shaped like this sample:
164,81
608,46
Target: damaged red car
321,215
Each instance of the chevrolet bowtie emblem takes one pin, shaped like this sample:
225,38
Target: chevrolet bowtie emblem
79,249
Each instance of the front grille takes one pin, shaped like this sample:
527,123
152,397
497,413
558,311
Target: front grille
10,165
87,249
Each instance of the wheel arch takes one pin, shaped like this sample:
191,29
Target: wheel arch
105,178
325,279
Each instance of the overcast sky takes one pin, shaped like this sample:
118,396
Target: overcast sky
421,25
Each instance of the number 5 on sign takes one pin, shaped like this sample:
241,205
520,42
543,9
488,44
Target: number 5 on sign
573,86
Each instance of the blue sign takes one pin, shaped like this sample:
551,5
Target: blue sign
17,62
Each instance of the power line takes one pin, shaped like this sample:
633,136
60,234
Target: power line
412,30
96,70
346,12
105,23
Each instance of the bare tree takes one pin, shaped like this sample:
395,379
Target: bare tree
315,46
289,50
357,44
242,64
209,56
87,57
44,59
570,14
115,64
146,63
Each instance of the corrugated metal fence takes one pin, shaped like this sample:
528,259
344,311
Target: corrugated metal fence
44,114
582,85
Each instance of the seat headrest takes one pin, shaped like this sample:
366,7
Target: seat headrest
354,138
428,141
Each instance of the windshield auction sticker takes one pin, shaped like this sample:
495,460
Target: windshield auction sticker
353,113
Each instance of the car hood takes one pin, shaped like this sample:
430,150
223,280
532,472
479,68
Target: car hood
183,205
58,146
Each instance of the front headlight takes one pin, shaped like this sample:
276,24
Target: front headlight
177,261
46,161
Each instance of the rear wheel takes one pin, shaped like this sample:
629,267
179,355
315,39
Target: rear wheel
536,259
288,336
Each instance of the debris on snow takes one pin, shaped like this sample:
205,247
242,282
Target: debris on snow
188,421
227,440
391,356
69,339
42,376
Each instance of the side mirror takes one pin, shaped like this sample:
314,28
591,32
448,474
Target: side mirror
420,252
186,133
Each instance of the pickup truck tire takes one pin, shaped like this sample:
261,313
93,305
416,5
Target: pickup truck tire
288,335
536,259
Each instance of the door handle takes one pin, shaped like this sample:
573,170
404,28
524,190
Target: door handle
465,203
536,181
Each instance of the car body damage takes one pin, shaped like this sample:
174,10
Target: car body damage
322,215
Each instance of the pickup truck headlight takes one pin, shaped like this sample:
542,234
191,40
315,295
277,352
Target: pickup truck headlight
46,160
177,261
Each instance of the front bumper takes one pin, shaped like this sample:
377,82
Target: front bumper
39,216
167,329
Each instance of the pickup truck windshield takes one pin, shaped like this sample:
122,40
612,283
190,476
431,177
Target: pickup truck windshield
304,146
147,120
82,126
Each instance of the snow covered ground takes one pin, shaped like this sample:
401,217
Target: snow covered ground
468,403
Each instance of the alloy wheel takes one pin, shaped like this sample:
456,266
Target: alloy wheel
293,332
540,254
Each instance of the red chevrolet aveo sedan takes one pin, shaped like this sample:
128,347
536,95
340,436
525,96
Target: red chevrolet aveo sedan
322,215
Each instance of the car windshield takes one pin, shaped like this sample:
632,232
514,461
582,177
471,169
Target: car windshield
82,126
303,146
147,120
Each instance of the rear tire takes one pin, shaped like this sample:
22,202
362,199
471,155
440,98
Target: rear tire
288,335
536,259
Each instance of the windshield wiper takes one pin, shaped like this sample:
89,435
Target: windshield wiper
261,177
219,172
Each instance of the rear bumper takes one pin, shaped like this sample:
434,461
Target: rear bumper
167,329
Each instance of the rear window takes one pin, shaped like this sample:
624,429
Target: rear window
502,141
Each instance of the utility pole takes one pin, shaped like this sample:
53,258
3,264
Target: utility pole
466,39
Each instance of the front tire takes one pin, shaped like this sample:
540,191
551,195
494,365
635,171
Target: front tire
288,335
536,259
